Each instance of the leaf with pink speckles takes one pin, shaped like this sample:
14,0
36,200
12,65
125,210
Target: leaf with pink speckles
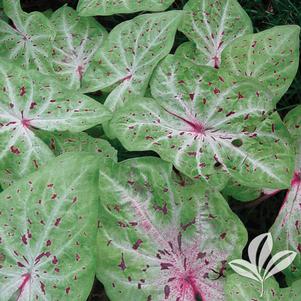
207,123
287,228
62,142
48,225
28,40
211,25
271,56
111,7
30,102
242,289
77,41
129,56
163,236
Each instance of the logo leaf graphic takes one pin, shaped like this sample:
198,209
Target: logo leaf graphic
279,262
252,269
246,269
264,252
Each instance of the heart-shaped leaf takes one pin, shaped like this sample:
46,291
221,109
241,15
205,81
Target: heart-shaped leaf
130,54
28,41
212,25
48,226
62,142
206,122
242,289
271,56
163,236
287,228
109,7
33,101
77,41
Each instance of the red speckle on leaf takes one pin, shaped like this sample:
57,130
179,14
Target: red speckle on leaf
74,200
230,113
216,91
137,244
54,260
68,290
57,221
14,150
32,105
299,248
166,291
42,287
122,264
53,196
77,257
254,44
48,242
240,96
273,127
24,239
161,208
191,96
22,91
21,265
223,235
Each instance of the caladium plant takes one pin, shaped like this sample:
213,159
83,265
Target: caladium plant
129,56
48,231
109,7
27,40
205,122
211,25
29,102
271,56
286,229
151,228
162,236
77,41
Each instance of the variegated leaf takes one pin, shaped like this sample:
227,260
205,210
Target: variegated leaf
109,7
130,54
212,25
62,142
163,236
271,56
33,101
287,227
77,41
48,227
28,40
205,122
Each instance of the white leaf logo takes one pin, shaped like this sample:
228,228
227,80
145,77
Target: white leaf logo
259,251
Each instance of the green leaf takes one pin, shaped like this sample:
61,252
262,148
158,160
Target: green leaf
2,14
271,56
130,54
62,142
287,228
77,41
205,123
163,236
109,7
240,192
212,25
48,232
33,101
242,289
28,41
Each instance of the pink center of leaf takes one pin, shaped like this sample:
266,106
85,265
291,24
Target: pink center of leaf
195,126
25,122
